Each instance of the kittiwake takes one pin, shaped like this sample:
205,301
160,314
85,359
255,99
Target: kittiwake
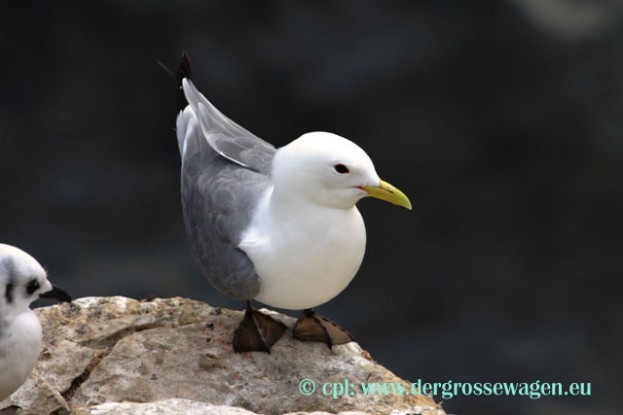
278,226
22,281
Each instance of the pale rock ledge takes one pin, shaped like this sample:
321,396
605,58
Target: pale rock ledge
115,355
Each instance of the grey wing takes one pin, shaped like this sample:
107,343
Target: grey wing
227,138
218,197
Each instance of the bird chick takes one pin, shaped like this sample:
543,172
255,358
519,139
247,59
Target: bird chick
22,281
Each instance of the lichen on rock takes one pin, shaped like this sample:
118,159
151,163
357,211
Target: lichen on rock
115,355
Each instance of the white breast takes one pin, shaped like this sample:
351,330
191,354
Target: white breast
20,345
306,257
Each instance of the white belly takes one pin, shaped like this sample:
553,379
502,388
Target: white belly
20,346
305,263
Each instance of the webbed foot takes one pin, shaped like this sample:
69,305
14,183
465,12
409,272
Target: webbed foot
257,332
314,327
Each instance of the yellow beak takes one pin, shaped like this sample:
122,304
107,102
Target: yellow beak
388,193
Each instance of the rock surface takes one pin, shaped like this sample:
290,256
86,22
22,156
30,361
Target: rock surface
114,355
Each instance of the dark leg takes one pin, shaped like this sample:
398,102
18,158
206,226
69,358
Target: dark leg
257,332
316,328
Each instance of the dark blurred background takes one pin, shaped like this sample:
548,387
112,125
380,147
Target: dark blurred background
501,119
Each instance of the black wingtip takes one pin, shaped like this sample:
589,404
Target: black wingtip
183,71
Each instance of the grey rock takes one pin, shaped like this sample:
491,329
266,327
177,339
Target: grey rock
114,355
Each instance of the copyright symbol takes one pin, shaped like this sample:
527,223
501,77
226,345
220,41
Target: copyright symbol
307,387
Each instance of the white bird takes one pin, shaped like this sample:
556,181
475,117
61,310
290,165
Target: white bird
278,226
22,281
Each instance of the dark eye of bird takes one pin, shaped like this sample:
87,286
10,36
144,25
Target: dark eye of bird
340,168
32,286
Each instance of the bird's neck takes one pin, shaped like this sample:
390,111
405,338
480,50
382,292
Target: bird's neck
285,212
283,203
7,318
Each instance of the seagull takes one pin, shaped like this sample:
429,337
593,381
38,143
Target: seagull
278,226
22,281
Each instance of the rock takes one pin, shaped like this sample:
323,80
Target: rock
114,355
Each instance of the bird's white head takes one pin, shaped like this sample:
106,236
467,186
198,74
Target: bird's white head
22,280
330,171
